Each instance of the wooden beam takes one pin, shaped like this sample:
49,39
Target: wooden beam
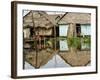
62,17
35,44
47,17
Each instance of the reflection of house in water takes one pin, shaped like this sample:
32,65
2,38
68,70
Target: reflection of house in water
42,30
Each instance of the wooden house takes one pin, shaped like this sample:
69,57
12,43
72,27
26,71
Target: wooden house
78,24
39,22
44,25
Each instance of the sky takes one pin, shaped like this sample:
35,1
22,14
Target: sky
25,12
48,12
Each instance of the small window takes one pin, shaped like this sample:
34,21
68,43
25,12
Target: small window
63,29
85,30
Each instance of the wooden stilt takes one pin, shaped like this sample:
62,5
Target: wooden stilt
55,38
44,42
35,41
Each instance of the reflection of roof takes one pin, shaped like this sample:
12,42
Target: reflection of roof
42,19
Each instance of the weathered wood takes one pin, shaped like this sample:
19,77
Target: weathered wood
77,18
71,30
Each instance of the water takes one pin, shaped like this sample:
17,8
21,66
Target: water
63,45
28,66
48,58
55,62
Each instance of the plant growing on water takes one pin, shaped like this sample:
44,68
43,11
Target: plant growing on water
74,42
87,42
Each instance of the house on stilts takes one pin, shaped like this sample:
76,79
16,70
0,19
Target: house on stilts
56,31
43,26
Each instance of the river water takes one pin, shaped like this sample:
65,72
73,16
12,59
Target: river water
55,62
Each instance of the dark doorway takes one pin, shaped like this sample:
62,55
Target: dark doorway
31,32
78,30
57,31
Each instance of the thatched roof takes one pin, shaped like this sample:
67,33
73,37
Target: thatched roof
78,18
43,20
38,19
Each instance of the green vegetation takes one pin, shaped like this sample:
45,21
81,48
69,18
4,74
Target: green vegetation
87,40
74,42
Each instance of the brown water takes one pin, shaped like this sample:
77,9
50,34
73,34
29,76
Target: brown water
58,56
